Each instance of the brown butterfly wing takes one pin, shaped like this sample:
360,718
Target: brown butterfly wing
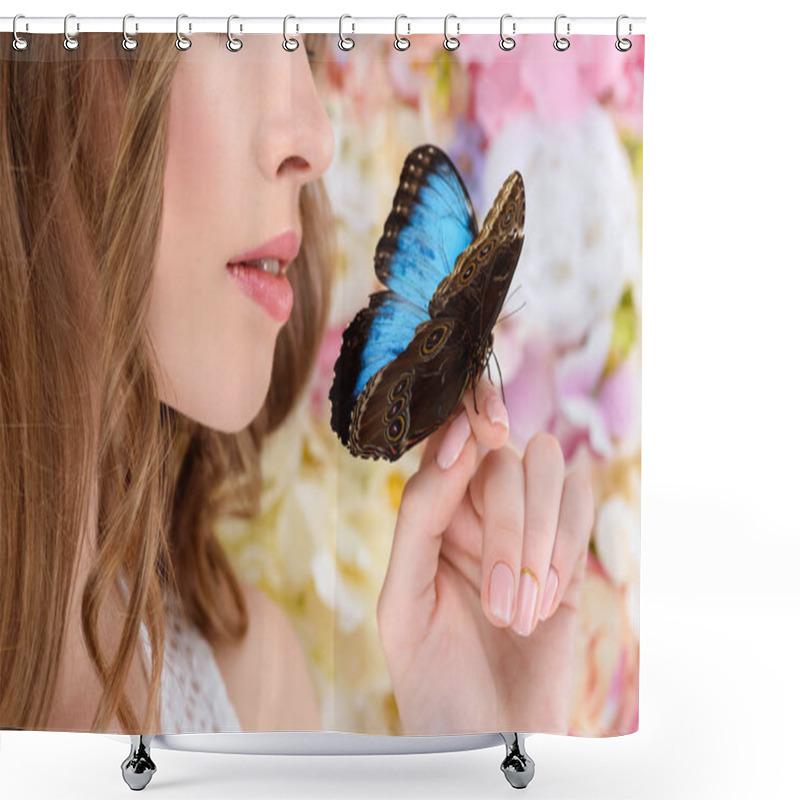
476,288
414,394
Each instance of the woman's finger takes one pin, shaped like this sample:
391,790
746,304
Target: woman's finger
501,483
544,479
571,546
490,422
444,443
429,501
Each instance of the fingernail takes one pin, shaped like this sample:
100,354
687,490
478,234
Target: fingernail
496,409
501,591
529,587
450,449
549,593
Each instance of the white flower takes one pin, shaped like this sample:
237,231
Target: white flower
581,220
616,530
580,407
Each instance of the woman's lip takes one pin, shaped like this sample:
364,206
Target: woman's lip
272,292
284,247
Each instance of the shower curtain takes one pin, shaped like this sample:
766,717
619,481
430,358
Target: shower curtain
301,273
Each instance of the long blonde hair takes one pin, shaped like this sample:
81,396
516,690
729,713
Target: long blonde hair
82,150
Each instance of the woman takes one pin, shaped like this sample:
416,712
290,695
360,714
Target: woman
137,375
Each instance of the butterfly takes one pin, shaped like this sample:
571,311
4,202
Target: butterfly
407,358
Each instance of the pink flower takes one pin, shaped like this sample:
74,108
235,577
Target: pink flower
565,393
606,699
558,85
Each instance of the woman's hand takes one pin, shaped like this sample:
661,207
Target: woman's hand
478,611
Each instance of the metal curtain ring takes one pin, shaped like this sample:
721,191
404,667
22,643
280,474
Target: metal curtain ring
233,44
128,43
182,42
19,43
623,45
289,42
451,42
70,42
401,42
345,42
560,43
506,42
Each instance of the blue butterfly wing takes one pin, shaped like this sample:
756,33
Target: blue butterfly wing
392,325
432,221
375,336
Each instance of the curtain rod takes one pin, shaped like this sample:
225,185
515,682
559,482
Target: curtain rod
407,26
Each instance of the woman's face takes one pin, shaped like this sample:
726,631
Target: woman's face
246,131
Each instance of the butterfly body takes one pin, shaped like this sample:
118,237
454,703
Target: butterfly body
408,357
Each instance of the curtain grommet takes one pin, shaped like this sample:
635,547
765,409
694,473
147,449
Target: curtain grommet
561,43
233,44
18,43
182,42
506,42
128,42
70,42
345,42
623,45
451,42
401,42
290,44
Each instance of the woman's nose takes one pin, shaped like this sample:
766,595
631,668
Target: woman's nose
297,135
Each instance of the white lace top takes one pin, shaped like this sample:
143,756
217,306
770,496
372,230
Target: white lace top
194,698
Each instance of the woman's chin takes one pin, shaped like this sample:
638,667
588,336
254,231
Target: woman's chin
235,417
227,412
231,420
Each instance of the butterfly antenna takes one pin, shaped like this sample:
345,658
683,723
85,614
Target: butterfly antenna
516,289
480,319
501,375
513,312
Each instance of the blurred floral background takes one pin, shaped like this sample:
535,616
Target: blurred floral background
568,343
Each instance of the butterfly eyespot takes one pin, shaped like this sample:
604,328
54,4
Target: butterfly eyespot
467,273
434,340
399,388
396,408
395,431
485,250
509,215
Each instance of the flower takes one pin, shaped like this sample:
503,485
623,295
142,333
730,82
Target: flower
602,405
581,222
617,530
568,392
605,699
557,85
